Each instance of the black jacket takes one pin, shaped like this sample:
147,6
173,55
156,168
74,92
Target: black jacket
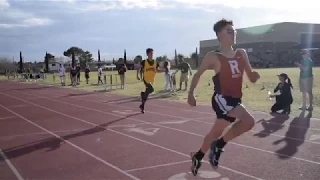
122,70
286,96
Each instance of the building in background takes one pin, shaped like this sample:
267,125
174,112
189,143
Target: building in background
273,44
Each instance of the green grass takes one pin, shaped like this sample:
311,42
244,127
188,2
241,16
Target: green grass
253,97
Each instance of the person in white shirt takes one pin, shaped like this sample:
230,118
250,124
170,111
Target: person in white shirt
167,76
62,74
99,74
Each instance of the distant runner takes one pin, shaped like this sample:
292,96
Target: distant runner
150,67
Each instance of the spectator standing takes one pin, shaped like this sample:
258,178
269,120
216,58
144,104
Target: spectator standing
185,71
70,67
42,72
167,76
122,74
62,74
87,74
99,74
306,79
73,73
78,69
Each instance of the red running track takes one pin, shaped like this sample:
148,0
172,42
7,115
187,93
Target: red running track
59,133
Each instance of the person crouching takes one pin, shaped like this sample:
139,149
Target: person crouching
284,99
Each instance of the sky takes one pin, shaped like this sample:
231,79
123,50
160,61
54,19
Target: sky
37,26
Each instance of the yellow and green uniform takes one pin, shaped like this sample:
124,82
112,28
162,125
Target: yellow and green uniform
149,70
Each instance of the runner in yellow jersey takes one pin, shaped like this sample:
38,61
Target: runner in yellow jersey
150,68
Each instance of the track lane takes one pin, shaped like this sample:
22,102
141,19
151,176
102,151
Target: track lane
90,105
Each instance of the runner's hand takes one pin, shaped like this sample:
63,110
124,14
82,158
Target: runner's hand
192,100
255,76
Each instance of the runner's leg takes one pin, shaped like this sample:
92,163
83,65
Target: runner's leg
144,95
216,131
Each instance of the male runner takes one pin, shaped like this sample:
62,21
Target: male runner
229,66
149,67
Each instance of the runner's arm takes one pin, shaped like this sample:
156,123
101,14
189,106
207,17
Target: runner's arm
139,69
178,69
206,63
159,68
190,69
247,66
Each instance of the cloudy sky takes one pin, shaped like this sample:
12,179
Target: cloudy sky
37,26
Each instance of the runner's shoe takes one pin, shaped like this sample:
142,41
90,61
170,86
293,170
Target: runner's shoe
214,155
142,108
196,164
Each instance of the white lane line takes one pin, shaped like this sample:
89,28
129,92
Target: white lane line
223,167
40,133
167,127
17,106
73,145
183,118
177,152
11,166
8,117
157,166
31,98
211,123
64,131
151,103
126,125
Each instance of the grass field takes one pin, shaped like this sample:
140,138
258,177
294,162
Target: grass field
254,98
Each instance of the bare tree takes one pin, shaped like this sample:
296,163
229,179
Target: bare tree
7,64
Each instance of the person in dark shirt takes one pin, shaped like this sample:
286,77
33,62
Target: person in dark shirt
78,69
87,74
70,69
185,69
122,71
74,74
284,99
